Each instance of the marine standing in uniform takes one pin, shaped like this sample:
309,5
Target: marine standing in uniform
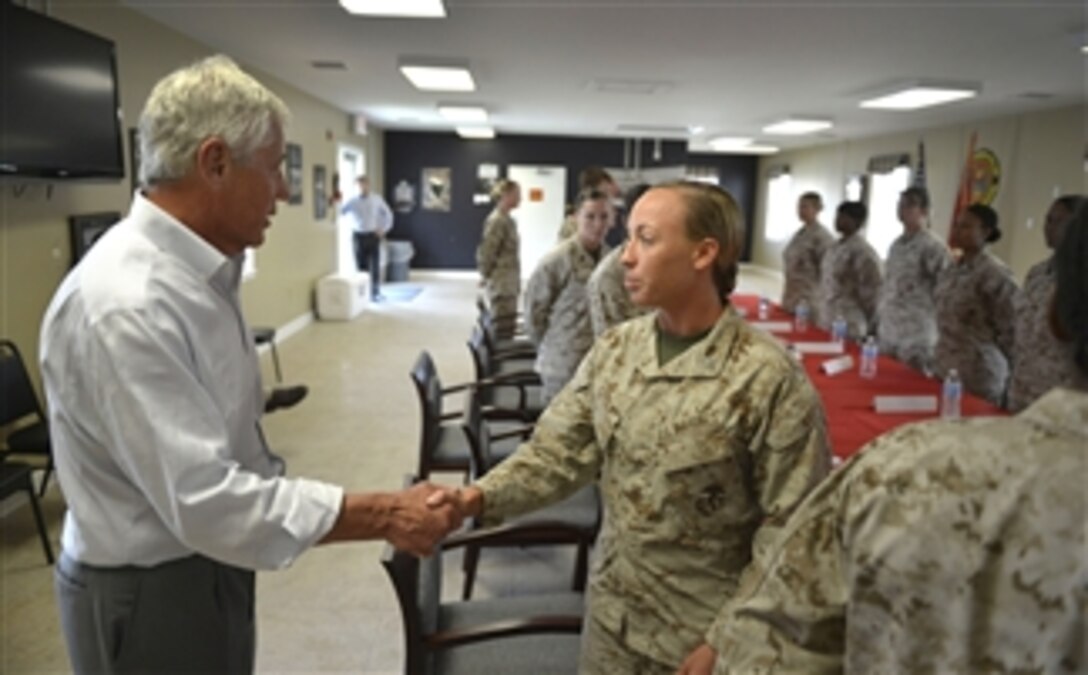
1040,361
943,547
701,431
804,254
499,258
556,306
907,313
976,320
851,274
609,302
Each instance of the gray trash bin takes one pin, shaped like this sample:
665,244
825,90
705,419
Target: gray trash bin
400,255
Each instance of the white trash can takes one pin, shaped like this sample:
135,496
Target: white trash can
342,297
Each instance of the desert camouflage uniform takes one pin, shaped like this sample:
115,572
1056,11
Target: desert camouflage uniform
699,461
1040,361
943,547
499,261
801,259
976,324
557,312
907,313
851,285
568,228
609,302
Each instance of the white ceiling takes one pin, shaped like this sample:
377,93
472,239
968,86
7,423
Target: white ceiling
730,67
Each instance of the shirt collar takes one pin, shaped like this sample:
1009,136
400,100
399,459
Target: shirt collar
706,358
171,235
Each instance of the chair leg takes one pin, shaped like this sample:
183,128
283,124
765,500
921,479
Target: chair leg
43,533
581,568
276,361
472,559
45,478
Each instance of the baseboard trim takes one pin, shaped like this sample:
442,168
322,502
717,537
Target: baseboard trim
289,329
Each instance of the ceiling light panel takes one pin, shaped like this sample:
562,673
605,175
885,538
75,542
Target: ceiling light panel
463,113
723,143
476,132
913,98
439,78
797,127
411,9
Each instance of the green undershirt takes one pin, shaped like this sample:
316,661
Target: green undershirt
670,346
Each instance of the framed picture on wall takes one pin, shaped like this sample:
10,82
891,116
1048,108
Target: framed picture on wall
436,189
320,198
87,228
294,173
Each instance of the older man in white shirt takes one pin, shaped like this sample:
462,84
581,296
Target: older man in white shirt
174,498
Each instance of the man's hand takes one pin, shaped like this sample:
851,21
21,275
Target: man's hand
699,662
416,526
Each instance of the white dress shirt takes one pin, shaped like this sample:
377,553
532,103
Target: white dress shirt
154,408
369,214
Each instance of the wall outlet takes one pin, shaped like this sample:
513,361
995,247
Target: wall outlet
1030,223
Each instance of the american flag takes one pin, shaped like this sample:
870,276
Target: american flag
920,172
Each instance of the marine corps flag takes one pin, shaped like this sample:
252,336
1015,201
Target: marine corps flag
963,193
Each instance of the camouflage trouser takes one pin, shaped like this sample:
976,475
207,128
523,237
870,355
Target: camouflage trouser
604,653
504,310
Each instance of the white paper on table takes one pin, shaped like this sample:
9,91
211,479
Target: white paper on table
774,326
836,366
820,347
898,404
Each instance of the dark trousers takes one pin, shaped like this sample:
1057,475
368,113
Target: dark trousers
368,257
192,615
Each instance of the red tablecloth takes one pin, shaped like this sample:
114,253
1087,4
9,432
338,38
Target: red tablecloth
848,397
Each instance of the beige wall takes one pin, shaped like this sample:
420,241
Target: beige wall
34,238
1042,155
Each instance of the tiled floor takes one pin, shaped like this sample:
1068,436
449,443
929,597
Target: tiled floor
334,611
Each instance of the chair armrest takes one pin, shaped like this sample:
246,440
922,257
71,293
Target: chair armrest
515,533
500,629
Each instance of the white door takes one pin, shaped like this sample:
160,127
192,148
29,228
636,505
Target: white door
349,166
543,201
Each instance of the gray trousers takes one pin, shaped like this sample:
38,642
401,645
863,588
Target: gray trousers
192,615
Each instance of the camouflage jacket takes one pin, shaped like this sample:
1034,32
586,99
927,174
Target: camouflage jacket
699,461
976,324
498,257
943,547
557,312
1040,361
907,314
567,228
609,302
851,285
801,260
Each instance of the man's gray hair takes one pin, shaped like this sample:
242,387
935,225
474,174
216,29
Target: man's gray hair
210,98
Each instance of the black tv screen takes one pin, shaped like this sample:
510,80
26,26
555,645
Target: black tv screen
59,112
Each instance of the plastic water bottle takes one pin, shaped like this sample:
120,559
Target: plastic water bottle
838,330
869,352
800,317
764,308
951,395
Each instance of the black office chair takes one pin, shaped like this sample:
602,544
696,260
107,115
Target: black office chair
15,477
267,335
536,633
19,403
579,514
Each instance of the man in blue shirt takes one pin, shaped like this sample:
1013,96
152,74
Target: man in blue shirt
371,219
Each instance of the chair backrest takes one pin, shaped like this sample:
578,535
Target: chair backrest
481,355
479,440
418,586
429,390
17,397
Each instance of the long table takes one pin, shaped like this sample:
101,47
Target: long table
848,397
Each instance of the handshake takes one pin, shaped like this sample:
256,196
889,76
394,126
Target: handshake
423,515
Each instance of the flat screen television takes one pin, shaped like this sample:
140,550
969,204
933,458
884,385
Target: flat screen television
59,111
